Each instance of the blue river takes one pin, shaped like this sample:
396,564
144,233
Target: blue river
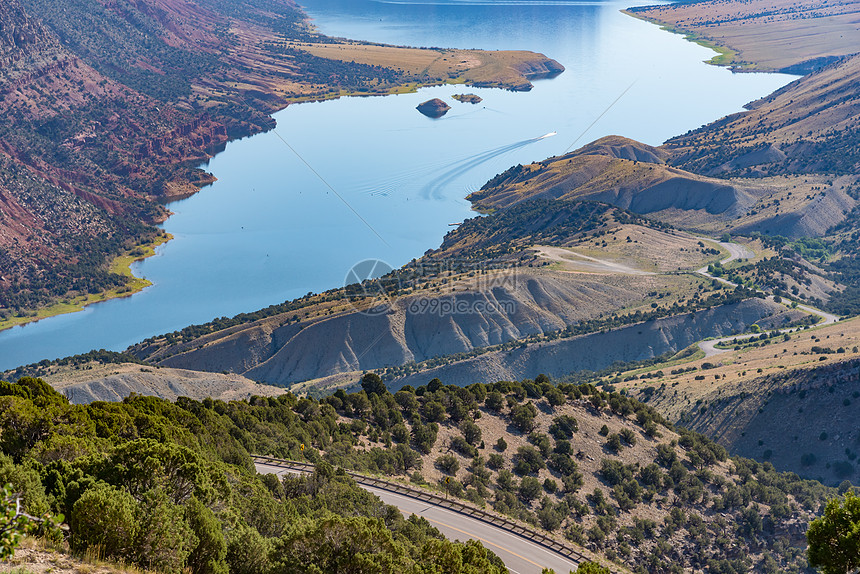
343,181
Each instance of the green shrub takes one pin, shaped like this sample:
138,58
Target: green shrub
448,464
105,517
613,443
563,427
530,488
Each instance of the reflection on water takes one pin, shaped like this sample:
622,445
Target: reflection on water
269,230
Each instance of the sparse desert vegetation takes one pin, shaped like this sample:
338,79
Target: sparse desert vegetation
666,355
765,34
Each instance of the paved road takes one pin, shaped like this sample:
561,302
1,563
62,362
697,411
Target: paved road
737,251
586,263
520,555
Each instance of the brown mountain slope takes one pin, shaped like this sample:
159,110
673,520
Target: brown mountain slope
810,126
795,35
789,206
596,173
468,335
22,39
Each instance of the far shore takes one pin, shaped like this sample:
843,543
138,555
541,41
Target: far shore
788,36
725,55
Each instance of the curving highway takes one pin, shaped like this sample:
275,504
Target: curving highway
737,251
521,555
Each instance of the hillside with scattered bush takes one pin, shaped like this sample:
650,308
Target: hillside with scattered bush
171,488
171,485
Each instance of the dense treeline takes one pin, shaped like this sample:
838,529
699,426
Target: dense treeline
844,241
86,275
171,486
846,302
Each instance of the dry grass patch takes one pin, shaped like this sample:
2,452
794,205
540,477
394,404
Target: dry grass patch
38,556
503,68
683,390
767,34
651,249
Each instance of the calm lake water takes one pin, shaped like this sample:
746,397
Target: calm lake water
270,230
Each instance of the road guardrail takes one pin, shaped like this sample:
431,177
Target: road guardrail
454,505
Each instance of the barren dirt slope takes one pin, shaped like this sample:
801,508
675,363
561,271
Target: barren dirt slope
600,350
768,34
791,206
114,382
516,304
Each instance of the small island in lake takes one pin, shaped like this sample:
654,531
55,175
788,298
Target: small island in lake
468,98
434,108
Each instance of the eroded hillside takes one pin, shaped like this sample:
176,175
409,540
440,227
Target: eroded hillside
789,399
283,350
788,206
560,354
